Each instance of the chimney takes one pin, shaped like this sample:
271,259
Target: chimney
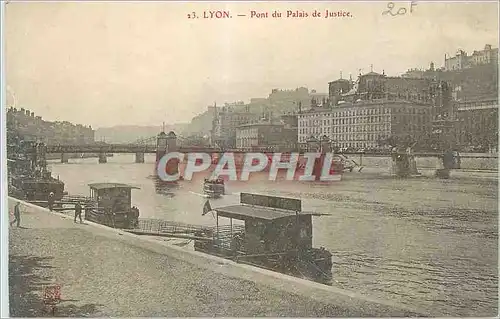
32,114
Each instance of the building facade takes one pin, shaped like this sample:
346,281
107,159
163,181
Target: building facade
27,124
374,109
477,125
365,124
262,135
462,60
266,135
225,124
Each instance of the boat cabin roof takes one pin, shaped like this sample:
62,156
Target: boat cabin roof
99,186
246,212
213,180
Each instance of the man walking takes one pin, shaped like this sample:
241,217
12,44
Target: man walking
17,215
78,212
51,201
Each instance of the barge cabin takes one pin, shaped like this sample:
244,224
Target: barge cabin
114,205
276,235
214,188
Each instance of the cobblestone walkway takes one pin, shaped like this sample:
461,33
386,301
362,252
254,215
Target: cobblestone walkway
101,276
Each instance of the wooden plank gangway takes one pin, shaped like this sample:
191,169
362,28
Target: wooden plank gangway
68,202
162,234
167,228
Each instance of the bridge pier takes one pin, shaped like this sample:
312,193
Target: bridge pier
403,163
167,143
446,163
102,158
64,157
139,157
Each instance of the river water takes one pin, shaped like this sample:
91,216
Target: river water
427,243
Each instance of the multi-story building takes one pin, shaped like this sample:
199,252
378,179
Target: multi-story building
374,108
462,60
26,123
266,135
477,125
226,120
315,122
364,124
475,83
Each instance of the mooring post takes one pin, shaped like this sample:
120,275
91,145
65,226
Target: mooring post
139,157
102,158
64,158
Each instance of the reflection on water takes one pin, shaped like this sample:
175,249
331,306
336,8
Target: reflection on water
427,243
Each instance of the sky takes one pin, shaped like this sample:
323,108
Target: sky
131,63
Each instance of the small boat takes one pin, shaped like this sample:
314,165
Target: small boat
276,235
113,205
214,188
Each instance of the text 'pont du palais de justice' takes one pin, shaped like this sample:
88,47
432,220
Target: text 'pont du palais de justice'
273,14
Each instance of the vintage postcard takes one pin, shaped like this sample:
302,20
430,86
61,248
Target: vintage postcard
250,159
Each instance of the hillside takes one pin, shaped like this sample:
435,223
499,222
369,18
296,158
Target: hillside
131,133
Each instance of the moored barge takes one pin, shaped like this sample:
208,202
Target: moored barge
113,205
276,235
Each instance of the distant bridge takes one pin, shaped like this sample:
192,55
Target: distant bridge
124,149
148,146
150,149
101,148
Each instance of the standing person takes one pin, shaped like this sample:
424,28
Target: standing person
17,215
78,211
50,201
136,216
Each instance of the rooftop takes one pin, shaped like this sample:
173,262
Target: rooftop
244,212
340,80
111,185
372,74
260,124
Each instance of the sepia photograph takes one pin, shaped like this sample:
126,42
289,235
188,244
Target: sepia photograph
249,159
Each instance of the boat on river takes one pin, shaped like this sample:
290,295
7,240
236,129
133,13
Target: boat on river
214,188
113,205
276,235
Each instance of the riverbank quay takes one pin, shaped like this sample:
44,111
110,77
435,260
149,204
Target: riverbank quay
106,272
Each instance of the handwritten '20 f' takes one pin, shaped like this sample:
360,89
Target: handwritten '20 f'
401,11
